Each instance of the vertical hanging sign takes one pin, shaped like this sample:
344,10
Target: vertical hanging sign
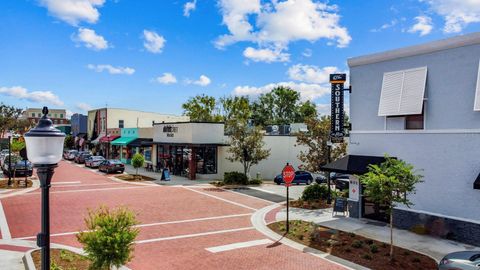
337,129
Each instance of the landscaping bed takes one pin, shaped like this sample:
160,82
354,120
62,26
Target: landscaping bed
16,183
357,249
62,259
233,186
315,204
134,178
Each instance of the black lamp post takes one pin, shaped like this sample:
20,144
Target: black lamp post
329,149
44,149
108,146
9,160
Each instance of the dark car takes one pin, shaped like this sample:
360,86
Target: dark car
18,167
463,260
80,158
111,165
300,177
94,161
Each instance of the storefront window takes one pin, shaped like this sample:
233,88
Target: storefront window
206,160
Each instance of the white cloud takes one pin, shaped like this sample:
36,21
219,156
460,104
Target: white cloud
84,106
74,11
153,42
189,7
385,26
456,13
423,25
266,55
202,81
277,23
307,53
166,78
90,39
34,96
311,74
68,114
307,91
111,69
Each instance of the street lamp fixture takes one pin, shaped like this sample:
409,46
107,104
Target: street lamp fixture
44,149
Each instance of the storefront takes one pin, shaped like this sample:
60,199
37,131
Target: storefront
183,159
129,144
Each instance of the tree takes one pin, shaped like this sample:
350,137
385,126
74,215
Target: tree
281,106
246,145
9,119
69,142
137,162
316,140
17,144
236,108
390,183
109,238
202,108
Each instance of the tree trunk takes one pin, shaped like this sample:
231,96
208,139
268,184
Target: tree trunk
136,172
391,234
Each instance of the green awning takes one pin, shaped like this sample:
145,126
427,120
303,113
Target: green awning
123,141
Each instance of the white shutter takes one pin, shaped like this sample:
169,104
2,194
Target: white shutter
476,106
403,92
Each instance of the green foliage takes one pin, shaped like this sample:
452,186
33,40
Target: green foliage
18,144
373,248
389,184
357,244
109,238
315,140
202,108
69,142
340,193
10,120
137,161
236,108
246,145
367,256
255,182
235,178
315,192
66,256
55,266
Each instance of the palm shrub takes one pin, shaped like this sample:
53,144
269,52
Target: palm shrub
137,162
109,238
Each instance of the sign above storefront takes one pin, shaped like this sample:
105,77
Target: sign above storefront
170,130
337,115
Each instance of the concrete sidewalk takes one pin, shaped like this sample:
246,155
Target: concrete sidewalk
434,247
175,180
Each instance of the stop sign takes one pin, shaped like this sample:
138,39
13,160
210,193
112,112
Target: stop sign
288,174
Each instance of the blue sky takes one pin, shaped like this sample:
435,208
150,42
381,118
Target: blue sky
149,55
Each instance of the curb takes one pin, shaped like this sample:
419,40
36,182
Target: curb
258,221
35,185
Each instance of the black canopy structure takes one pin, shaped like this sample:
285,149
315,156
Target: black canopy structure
476,184
352,164
139,142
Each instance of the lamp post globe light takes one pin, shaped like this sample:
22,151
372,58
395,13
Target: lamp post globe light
44,149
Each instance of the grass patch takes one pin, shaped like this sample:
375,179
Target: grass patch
62,259
357,249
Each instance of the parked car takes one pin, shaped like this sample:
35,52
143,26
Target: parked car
70,154
18,167
81,156
300,177
111,165
94,161
342,183
321,179
463,260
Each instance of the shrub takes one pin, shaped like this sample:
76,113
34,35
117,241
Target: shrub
340,193
315,192
137,162
255,182
235,178
109,238
416,260
367,256
369,241
351,234
373,248
357,244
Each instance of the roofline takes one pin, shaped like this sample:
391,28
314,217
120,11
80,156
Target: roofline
133,110
187,122
430,47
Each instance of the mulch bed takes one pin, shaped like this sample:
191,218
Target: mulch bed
134,178
357,249
316,204
17,183
63,259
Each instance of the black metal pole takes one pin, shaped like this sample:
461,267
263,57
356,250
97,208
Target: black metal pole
9,161
288,222
45,173
329,197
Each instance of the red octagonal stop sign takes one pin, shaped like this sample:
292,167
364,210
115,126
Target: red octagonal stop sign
288,174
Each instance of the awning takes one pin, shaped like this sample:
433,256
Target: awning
106,139
97,140
476,184
352,164
139,142
123,141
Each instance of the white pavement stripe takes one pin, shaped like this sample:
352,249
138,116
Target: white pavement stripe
239,245
86,185
222,199
191,235
4,224
64,183
86,190
155,224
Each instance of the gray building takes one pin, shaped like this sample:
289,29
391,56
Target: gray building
79,124
422,104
